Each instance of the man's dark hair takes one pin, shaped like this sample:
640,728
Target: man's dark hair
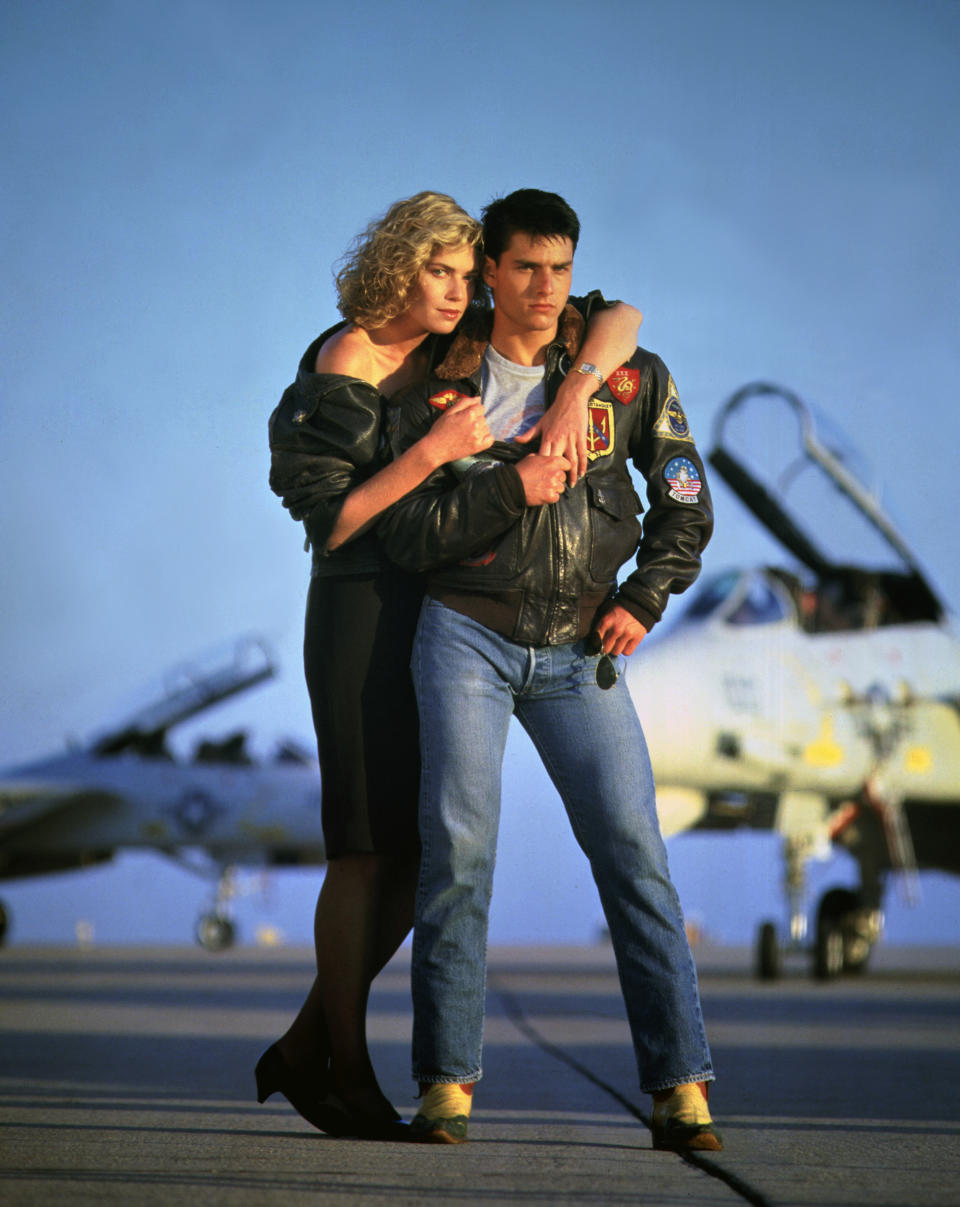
531,211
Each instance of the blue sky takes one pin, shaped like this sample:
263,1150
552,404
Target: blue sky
774,185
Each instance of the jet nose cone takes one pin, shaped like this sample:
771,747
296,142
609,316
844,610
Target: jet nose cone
667,690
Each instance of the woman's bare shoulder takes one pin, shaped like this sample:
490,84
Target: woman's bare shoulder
348,352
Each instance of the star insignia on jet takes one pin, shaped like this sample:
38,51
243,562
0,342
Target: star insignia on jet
195,811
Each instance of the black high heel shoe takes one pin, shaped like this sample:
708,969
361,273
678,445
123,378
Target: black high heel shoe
313,1097
309,1095
370,1120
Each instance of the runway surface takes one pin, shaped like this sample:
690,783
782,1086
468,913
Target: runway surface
126,1076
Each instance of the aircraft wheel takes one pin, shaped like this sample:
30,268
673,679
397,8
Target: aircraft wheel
830,947
828,955
215,932
769,963
862,927
4,923
856,956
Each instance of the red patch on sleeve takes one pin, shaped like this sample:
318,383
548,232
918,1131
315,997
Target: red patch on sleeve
624,384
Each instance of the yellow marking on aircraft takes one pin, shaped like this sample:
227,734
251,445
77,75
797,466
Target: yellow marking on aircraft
812,688
264,833
918,760
824,751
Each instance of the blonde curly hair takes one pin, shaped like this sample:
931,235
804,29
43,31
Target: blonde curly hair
381,268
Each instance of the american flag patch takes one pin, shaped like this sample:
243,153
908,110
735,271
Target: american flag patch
684,480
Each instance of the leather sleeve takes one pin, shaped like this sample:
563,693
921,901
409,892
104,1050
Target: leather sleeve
675,530
448,517
324,441
588,305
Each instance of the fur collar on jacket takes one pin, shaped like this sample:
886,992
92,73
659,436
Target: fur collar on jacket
470,342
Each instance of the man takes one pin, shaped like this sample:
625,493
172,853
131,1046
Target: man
524,617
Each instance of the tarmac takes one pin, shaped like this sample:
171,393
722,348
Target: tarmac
126,1077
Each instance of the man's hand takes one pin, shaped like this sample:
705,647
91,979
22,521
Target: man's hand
563,426
619,632
543,478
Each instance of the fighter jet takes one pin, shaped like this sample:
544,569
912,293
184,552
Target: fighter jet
819,698
125,789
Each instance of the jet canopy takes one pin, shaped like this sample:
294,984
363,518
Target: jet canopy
741,598
811,490
191,688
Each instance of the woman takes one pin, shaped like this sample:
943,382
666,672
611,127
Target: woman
407,283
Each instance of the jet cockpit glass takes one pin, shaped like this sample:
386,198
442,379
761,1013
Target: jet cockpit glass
805,481
757,603
738,598
810,489
713,593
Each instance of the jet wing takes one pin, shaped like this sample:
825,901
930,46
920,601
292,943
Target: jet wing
799,475
23,803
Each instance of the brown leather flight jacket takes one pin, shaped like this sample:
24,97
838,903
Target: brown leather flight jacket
539,575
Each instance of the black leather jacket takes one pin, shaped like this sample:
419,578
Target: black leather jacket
326,438
539,574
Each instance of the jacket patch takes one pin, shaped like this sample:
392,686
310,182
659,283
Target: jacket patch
684,479
483,559
625,384
672,424
600,429
445,398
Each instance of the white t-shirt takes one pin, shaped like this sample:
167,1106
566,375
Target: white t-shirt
513,395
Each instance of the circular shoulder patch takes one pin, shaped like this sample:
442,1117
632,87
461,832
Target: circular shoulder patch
684,479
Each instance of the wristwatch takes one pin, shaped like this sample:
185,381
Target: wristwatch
590,370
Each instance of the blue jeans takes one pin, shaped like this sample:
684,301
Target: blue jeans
469,682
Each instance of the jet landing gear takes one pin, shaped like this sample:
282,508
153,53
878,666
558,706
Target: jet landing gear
215,932
215,929
769,952
846,931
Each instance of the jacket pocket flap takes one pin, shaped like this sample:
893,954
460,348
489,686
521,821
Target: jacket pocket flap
621,502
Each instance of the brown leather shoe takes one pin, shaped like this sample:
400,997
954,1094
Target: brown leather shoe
682,1122
443,1116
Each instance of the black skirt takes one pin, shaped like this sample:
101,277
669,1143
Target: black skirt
356,651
